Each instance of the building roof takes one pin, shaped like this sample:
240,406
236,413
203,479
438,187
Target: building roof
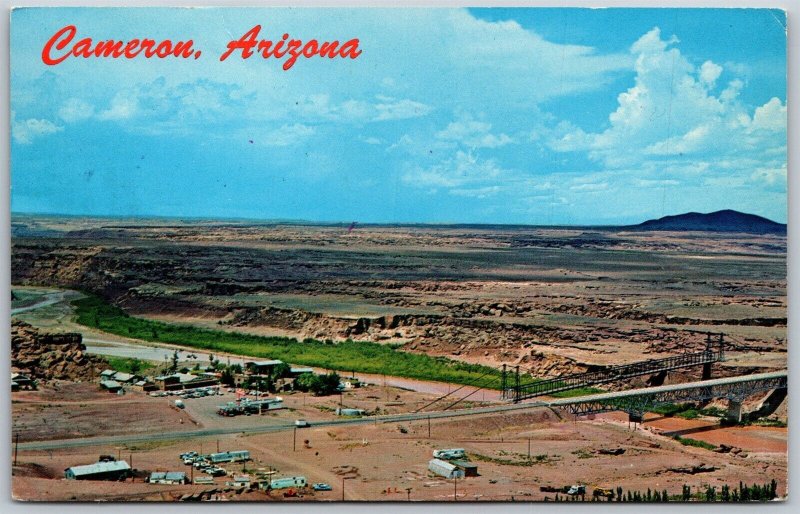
264,363
175,475
442,463
464,464
110,384
301,370
107,372
99,467
123,377
157,475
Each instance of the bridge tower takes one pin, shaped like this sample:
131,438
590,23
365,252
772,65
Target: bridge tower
707,365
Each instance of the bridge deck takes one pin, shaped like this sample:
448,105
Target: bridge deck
612,374
668,388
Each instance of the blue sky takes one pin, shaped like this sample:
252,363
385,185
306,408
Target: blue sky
537,116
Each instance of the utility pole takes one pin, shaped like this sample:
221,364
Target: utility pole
455,488
294,441
342,488
408,493
503,384
429,426
16,447
529,448
217,445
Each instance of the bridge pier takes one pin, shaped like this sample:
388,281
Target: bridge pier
734,414
635,417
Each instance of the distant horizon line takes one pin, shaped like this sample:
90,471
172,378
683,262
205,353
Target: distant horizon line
291,221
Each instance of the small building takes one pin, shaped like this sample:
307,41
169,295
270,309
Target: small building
107,374
22,382
204,480
178,381
168,382
349,412
125,378
296,371
287,482
262,367
470,469
111,386
113,470
240,481
445,469
144,385
169,477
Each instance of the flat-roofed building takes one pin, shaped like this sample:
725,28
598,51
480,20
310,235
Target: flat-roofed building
169,477
113,470
110,385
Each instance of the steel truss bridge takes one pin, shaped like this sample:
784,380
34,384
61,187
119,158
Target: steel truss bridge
638,401
704,358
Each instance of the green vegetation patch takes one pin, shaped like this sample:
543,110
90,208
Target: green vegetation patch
686,441
686,411
360,356
129,365
581,391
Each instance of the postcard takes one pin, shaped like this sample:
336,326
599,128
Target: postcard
399,254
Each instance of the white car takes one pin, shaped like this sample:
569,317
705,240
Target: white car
301,423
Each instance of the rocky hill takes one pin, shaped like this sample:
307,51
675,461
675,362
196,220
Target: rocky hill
46,356
719,221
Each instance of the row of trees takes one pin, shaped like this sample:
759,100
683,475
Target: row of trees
744,493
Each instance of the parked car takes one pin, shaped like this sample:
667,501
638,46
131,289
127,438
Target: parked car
301,423
215,472
576,490
322,487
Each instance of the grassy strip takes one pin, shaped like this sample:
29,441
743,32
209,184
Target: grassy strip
581,391
521,461
686,441
347,356
129,365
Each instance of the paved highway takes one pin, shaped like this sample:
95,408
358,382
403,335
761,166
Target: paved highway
394,418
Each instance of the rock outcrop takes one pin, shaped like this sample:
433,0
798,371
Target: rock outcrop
47,356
